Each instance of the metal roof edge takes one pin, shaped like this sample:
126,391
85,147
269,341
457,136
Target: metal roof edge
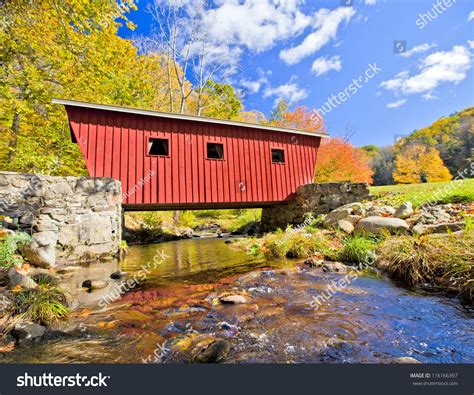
138,111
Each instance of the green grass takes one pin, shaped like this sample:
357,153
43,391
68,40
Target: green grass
45,304
294,243
357,249
419,194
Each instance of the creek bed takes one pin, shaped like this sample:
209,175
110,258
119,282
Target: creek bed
371,320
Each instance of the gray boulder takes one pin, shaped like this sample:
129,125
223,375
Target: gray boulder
405,360
377,225
336,267
41,251
28,330
17,278
438,228
345,226
404,210
353,219
216,352
336,215
379,211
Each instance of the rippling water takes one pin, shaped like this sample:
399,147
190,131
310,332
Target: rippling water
371,320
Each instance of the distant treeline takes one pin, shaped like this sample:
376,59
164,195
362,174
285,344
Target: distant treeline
439,152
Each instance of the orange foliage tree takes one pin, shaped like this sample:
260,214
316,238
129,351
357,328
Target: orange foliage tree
300,118
338,160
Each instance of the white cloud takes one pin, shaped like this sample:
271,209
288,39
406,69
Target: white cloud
326,24
418,49
470,16
435,69
470,43
370,2
253,86
324,64
290,91
396,104
256,24
429,96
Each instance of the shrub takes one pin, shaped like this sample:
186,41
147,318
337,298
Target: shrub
296,243
187,219
43,305
455,199
9,247
208,213
245,218
357,249
151,219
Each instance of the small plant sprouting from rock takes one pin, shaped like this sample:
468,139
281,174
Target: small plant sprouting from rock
9,249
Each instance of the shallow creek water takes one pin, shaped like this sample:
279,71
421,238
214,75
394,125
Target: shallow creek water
175,311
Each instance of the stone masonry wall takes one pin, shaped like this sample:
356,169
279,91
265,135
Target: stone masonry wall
70,218
316,199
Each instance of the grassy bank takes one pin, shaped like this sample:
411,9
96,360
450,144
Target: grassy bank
442,260
419,194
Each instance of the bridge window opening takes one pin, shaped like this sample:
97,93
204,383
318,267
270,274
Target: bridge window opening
215,151
158,147
278,155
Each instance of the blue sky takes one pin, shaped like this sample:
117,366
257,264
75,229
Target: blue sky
308,51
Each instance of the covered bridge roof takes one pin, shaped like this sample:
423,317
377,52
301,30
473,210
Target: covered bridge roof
184,117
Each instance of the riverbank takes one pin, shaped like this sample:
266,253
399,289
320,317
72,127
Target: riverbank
205,303
423,248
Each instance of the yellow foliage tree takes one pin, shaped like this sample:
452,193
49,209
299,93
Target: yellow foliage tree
418,163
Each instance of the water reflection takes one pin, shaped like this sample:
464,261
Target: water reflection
193,261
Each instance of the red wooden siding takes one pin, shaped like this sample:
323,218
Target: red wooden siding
115,144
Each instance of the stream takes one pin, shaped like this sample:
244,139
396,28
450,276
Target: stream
175,312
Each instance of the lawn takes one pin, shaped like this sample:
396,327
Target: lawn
461,191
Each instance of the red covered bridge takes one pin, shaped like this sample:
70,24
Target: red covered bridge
171,161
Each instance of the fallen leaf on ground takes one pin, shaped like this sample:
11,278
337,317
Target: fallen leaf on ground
8,348
17,288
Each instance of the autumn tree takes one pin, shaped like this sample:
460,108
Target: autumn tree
339,161
452,136
58,49
418,163
220,101
300,118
